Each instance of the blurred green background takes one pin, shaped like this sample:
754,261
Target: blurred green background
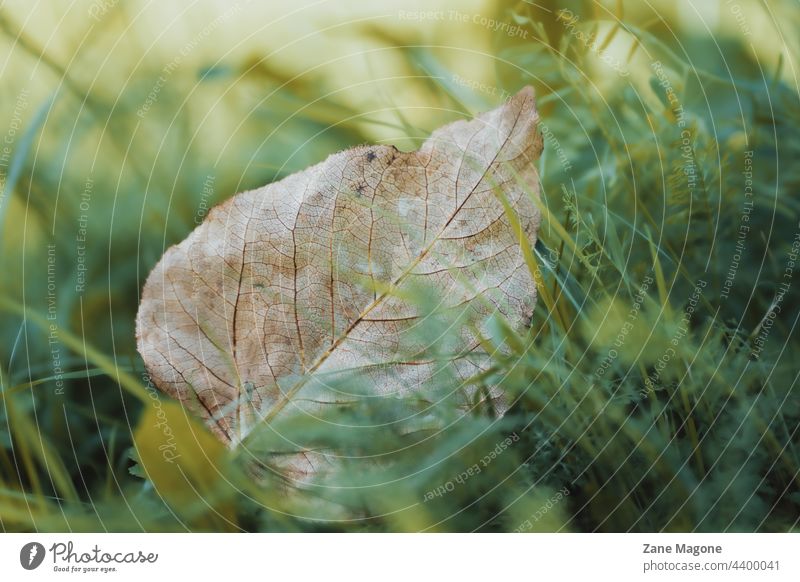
670,186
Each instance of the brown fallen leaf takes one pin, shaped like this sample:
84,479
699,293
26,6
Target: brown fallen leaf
280,286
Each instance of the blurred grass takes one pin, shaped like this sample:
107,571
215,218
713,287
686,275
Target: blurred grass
707,441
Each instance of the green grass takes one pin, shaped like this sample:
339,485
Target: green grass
652,391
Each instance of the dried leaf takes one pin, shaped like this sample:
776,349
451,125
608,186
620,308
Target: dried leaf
284,284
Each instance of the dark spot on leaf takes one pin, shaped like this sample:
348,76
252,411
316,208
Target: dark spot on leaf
249,388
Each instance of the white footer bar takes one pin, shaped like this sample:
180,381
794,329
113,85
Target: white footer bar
401,557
